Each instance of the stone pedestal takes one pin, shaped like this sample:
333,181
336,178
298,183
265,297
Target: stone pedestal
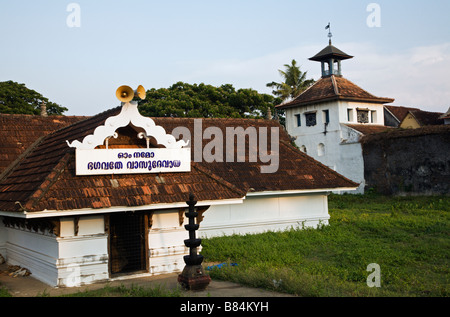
193,276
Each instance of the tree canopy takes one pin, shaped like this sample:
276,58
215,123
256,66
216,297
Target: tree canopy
294,83
17,98
206,101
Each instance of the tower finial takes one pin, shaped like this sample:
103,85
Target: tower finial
328,27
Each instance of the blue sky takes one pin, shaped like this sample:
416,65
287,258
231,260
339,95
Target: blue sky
244,43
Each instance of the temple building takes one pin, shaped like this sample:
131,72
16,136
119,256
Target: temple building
104,197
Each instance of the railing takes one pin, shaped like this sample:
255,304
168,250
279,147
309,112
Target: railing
328,72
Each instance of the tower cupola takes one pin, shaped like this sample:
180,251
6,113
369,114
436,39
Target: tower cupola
330,58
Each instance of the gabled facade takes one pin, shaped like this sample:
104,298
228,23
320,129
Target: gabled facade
419,118
411,118
70,229
325,119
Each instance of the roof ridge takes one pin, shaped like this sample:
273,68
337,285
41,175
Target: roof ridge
375,97
19,159
348,80
208,118
420,110
302,93
335,87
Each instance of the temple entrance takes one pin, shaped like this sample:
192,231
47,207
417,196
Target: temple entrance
128,235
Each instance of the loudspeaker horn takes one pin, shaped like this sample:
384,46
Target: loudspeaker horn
125,93
140,92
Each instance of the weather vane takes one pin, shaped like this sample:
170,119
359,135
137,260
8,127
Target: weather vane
328,27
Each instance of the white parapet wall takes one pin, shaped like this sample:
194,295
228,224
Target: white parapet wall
71,259
266,212
33,251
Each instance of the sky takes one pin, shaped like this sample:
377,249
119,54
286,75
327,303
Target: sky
77,53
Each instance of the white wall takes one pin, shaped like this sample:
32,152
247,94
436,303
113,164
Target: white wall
166,242
34,251
265,213
68,260
82,256
333,148
78,258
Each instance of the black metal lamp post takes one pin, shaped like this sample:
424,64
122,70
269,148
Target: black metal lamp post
193,276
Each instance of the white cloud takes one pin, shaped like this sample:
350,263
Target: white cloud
416,77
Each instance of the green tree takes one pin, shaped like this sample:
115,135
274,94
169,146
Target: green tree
206,101
17,98
294,83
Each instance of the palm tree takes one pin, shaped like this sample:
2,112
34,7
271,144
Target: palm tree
294,84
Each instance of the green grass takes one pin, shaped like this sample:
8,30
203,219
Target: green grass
127,291
4,292
407,236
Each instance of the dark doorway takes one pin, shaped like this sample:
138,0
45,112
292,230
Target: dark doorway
127,242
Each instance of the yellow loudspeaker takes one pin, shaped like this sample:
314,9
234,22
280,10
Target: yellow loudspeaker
125,93
140,92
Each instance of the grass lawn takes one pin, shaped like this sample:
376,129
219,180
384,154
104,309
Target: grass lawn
408,237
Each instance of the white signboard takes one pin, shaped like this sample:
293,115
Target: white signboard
132,161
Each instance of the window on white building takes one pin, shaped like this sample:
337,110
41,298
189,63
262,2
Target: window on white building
310,119
298,120
350,115
303,149
373,116
321,149
362,116
326,116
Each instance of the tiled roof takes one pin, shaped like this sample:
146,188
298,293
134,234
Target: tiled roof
399,112
425,118
45,178
333,88
18,132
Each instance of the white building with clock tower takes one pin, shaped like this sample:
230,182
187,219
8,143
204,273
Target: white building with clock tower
328,119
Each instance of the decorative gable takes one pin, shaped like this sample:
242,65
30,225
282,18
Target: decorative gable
128,115
93,161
